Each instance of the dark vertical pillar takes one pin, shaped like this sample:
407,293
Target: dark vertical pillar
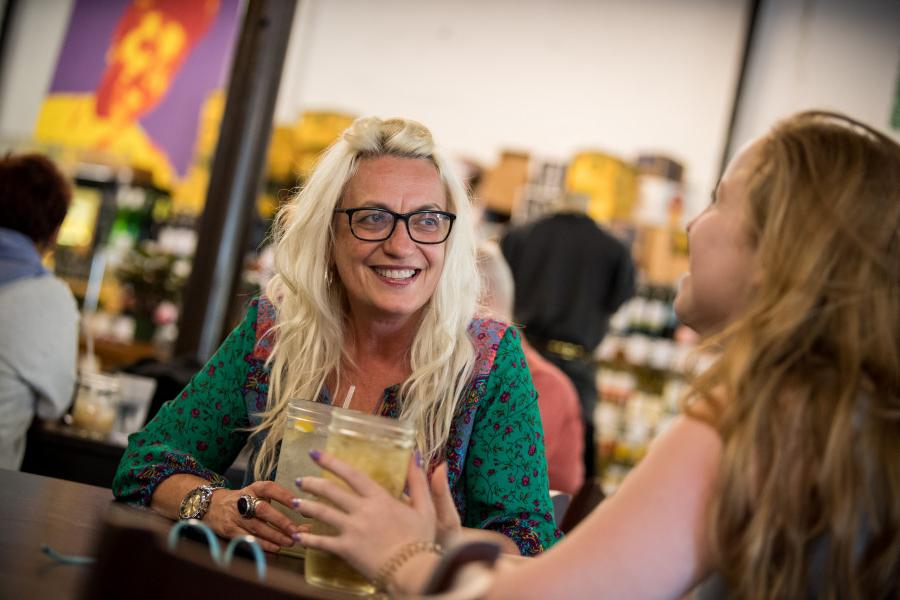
754,8
235,175
7,14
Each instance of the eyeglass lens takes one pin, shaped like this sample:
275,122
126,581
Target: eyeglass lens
425,227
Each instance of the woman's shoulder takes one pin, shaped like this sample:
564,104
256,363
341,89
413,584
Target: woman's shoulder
265,311
45,297
486,330
486,334
264,324
42,285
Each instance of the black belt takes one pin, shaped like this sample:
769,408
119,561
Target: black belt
564,350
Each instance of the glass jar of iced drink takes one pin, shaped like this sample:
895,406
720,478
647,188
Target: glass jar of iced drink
96,403
380,447
306,429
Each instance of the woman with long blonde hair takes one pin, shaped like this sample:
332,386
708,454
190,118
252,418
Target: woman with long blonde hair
375,290
782,480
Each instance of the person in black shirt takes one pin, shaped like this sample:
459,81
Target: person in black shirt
570,277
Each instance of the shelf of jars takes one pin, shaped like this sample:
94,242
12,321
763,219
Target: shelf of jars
643,366
125,252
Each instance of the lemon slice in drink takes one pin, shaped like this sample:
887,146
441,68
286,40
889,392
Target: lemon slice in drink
304,426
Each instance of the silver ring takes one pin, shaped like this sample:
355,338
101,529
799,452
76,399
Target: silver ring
246,505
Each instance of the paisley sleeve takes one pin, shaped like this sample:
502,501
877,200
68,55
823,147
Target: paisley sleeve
200,431
507,488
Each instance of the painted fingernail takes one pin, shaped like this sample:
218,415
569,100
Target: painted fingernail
315,455
298,482
418,458
297,537
295,502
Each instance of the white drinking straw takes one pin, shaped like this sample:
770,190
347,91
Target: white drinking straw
349,396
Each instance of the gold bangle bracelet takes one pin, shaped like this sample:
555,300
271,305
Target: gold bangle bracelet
406,552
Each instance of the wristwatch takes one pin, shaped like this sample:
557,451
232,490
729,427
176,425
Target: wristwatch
196,502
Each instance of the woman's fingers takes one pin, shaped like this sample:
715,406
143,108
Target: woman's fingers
232,525
448,523
358,481
440,492
272,528
419,496
337,494
324,513
277,522
321,542
270,538
269,490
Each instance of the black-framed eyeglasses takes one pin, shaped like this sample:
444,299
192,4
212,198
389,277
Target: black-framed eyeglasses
372,224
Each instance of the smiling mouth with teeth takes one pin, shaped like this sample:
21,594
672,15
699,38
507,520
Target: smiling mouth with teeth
396,274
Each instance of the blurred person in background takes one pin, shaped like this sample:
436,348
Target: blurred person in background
39,322
571,276
375,289
557,398
782,479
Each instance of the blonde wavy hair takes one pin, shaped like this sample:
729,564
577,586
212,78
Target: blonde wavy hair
311,303
810,373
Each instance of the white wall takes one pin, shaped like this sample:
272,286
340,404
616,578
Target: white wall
550,76
840,55
36,33
547,76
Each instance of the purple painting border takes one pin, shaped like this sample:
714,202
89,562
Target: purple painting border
83,53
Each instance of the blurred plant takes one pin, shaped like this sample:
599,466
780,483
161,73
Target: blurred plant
152,278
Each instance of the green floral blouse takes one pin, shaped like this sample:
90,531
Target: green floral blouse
495,452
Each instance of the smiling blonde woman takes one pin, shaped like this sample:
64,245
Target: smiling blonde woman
375,287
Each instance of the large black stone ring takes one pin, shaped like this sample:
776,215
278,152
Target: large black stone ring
246,505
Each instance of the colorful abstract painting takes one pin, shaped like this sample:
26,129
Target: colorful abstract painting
132,76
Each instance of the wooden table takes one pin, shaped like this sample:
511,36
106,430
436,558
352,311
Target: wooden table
78,519
37,510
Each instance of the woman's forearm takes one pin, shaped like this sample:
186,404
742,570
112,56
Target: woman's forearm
415,574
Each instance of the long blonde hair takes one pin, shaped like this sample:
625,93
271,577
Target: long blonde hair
310,300
810,373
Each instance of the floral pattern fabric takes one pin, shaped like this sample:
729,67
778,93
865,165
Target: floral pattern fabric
495,452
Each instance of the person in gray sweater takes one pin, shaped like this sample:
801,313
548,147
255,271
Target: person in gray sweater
38,315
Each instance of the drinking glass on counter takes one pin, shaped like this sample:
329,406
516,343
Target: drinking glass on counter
306,429
96,403
381,448
135,395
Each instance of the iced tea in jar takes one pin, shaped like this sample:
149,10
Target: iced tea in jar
381,448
